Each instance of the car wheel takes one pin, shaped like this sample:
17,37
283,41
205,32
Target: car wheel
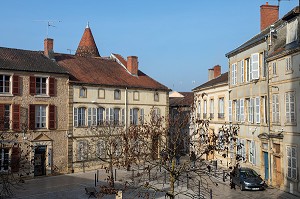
242,187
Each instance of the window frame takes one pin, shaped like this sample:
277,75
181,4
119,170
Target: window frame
3,86
289,114
117,94
40,116
290,162
83,92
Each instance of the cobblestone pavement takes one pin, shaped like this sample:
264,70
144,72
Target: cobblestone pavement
72,186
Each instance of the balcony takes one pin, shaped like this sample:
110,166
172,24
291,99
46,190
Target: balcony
221,115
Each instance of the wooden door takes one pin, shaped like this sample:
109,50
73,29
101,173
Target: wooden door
278,173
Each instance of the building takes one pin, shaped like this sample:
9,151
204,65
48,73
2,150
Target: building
105,89
211,101
283,63
262,91
182,103
33,105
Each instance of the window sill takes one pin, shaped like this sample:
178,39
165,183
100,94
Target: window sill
6,95
42,96
290,124
287,72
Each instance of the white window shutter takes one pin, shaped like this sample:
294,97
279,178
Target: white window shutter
89,116
257,109
230,110
107,115
242,110
255,65
123,116
252,110
242,71
142,116
131,116
75,117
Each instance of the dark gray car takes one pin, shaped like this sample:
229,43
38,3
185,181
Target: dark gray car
247,178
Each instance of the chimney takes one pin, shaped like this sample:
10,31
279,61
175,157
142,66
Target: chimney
48,48
217,71
132,64
268,15
210,74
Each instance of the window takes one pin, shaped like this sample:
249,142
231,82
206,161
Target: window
290,107
274,68
100,116
4,116
134,116
248,69
82,150
205,109
101,93
220,141
291,162
230,110
241,66
101,149
250,110
116,116
40,116
199,109
211,115
275,108
255,66
233,76
156,114
4,159
242,117
221,108
237,110
291,34
136,95
257,109
117,94
4,84
92,116
109,115
265,110
288,64
41,85
156,96
241,149
79,116
252,151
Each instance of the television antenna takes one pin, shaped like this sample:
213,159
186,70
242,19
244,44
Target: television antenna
280,1
49,23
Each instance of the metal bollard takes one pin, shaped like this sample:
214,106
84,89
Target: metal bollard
97,175
115,174
95,180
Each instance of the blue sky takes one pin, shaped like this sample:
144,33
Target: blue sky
177,41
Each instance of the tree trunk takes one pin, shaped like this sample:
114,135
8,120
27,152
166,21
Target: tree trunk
172,180
111,180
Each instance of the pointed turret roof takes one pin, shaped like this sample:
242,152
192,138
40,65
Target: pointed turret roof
87,46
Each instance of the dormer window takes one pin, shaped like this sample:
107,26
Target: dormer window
156,96
82,92
117,94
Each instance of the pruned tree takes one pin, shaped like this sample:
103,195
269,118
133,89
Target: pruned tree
15,161
157,145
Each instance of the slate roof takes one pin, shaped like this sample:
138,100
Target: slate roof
187,100
260,37
26,60
104,71
223,78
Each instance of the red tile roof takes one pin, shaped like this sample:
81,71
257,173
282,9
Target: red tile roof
187,100
87,46
104,71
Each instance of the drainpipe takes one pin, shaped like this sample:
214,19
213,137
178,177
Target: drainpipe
125,110
268,108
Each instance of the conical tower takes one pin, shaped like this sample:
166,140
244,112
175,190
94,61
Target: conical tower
87,46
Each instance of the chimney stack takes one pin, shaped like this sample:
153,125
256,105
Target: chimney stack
214,72
132,64
48,48
268,15
217,71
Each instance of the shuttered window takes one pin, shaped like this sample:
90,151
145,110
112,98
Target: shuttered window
242,115
275,108
230,110
257,110
4,117
291,162
241,63
142,116
234,74
100,116
42,86
52,117
255,65
290,107
79,116
16,85
92,116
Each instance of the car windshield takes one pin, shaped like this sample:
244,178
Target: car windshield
248,174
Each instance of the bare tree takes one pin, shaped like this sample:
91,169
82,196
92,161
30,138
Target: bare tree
157,145
15,162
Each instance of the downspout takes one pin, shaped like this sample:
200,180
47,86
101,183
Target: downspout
125,110
268,108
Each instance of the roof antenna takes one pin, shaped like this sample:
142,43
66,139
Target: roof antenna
49,24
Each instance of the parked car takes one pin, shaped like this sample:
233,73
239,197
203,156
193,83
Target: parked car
247,178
